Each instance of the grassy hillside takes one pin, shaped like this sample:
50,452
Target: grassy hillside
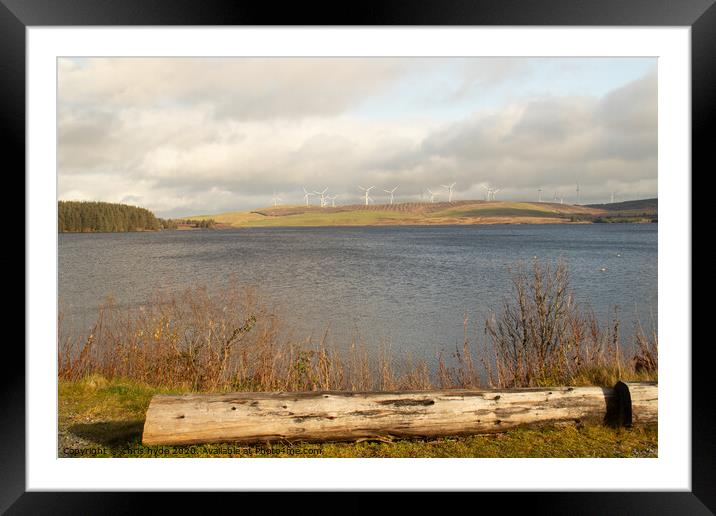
460,212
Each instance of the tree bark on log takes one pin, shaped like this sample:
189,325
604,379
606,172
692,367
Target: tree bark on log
341,416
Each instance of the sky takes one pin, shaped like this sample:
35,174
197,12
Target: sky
191,136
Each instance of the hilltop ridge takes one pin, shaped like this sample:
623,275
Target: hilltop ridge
456,212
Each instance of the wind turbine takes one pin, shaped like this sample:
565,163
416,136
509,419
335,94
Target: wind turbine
366,190
432,195
276,198
332,199
323,198
307,196
612,198
577,193
539,195
449,189
488,194
391,192
494,192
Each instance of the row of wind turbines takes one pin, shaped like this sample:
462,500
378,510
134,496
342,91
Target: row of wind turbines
330,200
557,196
560,198
324,198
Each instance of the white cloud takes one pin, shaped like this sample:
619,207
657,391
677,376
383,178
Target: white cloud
199,136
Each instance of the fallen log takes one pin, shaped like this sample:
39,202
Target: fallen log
340,416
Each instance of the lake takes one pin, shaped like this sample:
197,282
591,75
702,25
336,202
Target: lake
410,286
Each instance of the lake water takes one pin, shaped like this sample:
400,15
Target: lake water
411,286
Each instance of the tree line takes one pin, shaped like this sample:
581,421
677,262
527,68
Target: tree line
192,223
90,216
95,216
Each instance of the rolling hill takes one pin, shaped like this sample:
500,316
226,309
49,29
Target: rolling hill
458,212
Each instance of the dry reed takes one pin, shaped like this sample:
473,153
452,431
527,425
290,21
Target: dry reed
228,339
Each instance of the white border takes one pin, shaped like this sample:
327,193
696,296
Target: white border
670,471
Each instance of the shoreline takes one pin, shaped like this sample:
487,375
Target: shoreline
546,222
224,227
542,222
429,224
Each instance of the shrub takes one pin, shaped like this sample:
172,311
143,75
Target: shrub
542,337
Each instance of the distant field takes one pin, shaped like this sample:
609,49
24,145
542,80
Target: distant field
331,218
502,211
460,212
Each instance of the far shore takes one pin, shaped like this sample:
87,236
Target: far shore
487,221
439,214
455,213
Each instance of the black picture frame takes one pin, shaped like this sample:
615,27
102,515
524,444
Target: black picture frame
700,15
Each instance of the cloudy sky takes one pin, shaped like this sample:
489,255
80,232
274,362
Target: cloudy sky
197,136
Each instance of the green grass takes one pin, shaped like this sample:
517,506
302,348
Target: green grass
343,218
411,213
312,218
497,212
101,418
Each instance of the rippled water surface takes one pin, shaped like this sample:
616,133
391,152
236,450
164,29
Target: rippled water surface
411,286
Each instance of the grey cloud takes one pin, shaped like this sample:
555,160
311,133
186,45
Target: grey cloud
629,120
557,140
152,139
550,121
246,88
632,107
483,73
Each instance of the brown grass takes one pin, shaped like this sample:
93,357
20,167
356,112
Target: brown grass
542,337
222,340
228,339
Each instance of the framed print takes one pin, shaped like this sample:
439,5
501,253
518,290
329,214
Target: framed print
417,249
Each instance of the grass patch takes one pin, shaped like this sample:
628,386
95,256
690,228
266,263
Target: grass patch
497,212
105,418
399,213
341,218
